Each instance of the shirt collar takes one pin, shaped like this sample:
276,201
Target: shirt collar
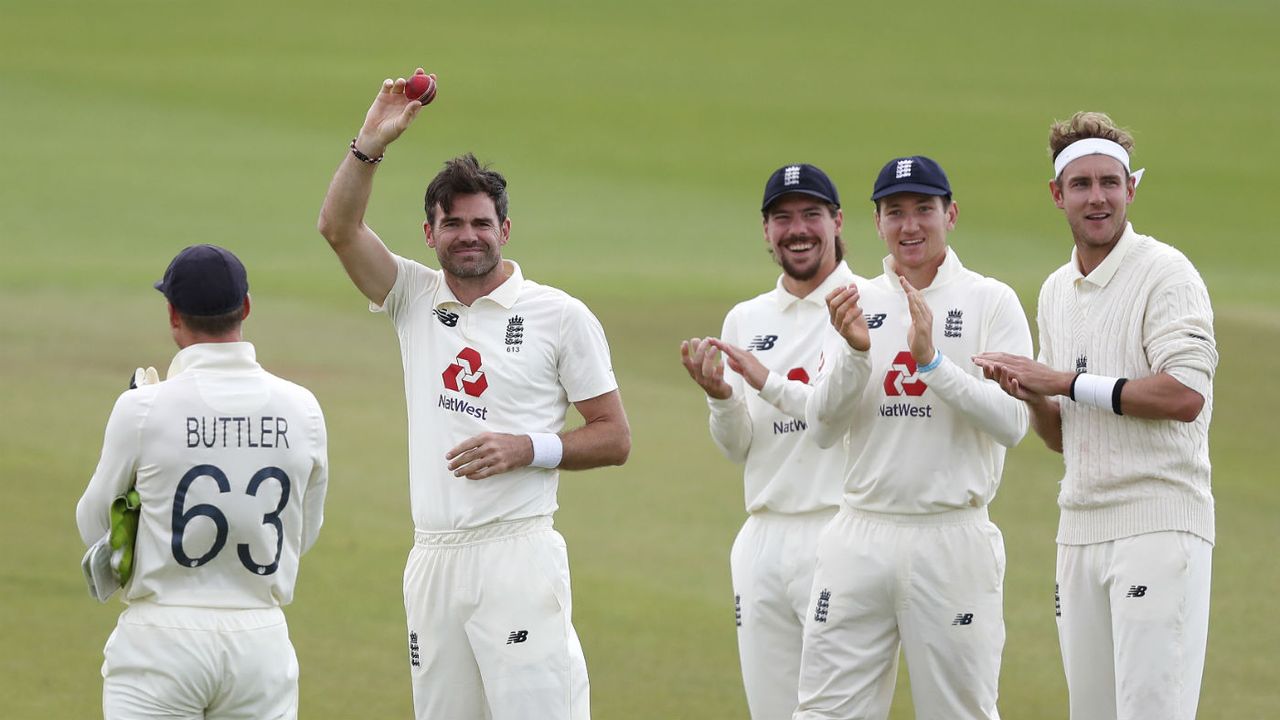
947,271
214,356
505,294
1106,270
839,277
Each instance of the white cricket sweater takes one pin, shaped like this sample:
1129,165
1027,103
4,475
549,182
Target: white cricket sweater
1144,310
231,464
922,443
785,471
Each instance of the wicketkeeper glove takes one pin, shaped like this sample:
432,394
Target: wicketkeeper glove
108,564
142,377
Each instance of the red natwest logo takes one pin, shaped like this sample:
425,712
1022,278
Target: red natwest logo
464,374
901,378
798,374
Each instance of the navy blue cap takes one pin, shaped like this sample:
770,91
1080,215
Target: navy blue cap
205,280
804,179
915,174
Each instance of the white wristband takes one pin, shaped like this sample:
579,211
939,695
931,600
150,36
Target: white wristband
1097,391
548,450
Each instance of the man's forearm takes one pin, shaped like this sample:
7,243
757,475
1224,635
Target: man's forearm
1046,420
596,444
342,214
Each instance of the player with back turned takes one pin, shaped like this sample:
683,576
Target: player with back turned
1123,388
773,343
230,465
492,362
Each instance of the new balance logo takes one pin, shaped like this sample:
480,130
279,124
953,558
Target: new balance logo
737,609
414,659
903,169
791,176
446,318
762,342
963,619
955,320
1057,601
874,321
824,603
517,636
1136,591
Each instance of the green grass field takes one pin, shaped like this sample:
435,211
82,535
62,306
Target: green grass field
637,137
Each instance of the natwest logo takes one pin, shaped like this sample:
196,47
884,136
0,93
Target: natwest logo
465,375
798,374
901,378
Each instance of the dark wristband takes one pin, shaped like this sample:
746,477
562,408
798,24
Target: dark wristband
1071,389
1115,395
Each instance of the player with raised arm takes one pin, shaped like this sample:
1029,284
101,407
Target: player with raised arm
492,362
911,560
230,467
773,343
1123,388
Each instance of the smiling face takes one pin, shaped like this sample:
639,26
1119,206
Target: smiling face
1094,192
914,228
468,239
801,232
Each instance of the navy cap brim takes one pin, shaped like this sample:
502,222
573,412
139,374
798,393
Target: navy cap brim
811,193
910,188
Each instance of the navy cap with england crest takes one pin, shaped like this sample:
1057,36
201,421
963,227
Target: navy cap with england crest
802,178
915,174
205,280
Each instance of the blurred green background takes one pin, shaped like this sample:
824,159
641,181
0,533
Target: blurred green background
636,137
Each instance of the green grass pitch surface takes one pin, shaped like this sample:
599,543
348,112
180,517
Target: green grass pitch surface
636,136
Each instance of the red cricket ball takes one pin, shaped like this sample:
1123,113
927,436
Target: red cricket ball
421,88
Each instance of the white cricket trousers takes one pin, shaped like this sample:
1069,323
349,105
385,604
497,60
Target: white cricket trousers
1133,622
932,584
490,629
772,564
197,663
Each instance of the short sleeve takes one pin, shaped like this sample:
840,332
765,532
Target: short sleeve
584,365
413,280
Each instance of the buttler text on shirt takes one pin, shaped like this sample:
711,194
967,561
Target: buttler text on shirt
266,431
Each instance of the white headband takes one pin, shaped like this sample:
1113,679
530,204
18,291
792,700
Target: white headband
1095,146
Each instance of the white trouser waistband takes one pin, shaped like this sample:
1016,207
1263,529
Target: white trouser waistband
201,618
959,516
485,533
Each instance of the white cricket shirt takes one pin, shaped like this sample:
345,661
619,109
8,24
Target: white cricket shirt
785,471
1143,310
512,362
924,442
231,465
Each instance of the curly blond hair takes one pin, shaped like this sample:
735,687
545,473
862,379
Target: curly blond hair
1083,125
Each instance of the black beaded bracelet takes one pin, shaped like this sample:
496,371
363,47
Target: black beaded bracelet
362,157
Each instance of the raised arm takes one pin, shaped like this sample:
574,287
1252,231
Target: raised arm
984,404
829,412
788,396
730,420
366,259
